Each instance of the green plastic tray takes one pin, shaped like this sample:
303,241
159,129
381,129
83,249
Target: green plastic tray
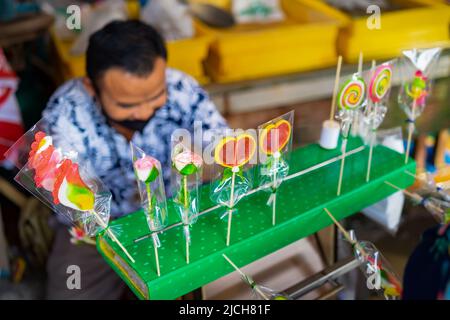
300,203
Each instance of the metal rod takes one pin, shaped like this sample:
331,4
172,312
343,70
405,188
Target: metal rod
319,279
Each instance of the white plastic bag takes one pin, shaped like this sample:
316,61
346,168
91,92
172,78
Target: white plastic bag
170,18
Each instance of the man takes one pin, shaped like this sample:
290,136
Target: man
128,95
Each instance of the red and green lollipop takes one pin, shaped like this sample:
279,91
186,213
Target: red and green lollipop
61,176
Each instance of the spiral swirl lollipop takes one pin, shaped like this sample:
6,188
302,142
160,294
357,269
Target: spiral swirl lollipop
351,98
380,83
379,87
352,94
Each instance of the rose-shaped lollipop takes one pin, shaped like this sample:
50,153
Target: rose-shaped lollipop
151,191
186,179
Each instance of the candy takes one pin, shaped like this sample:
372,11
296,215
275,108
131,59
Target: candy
380,83
235,151
275,136
70,190
146,169
352,93
185,161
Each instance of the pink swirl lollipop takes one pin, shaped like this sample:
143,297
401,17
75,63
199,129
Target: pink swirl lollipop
380,83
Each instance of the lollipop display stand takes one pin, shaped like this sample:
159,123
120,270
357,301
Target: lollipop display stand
301,198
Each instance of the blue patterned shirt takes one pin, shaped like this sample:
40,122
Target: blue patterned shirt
75,121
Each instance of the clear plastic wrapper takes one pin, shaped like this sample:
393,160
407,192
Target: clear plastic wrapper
78,236
429,187
439,209
258,291
234,153
350,99
379,273
275,143
63,182
151,190
416,69
185,180
375,267
379,79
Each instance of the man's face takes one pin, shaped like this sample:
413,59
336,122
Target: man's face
127,97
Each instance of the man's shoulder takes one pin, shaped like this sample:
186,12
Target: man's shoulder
69,102
69,95
180,80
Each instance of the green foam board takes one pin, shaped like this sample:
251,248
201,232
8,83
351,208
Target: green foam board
300,203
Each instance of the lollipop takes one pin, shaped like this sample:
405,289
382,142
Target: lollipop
70,190
261,292
379,87
44,159
377,270
232,153
380,84
186,179
274,142
429,186
416,68
151,191
351,98
439,209
64,188
380,275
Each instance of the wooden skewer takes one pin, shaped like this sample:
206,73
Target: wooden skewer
410,194
410,132
230,211
155,247
341,171
336,87
360,63
244,276
371,133
111,234
345,232
341,228
415,196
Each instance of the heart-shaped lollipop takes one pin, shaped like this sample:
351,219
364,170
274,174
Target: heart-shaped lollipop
275,136
235,151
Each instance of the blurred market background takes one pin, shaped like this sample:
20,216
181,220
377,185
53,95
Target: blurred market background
272,57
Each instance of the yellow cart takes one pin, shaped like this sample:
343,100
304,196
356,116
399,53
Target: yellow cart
417,24
305,40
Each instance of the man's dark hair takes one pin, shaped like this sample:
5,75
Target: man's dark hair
129,45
